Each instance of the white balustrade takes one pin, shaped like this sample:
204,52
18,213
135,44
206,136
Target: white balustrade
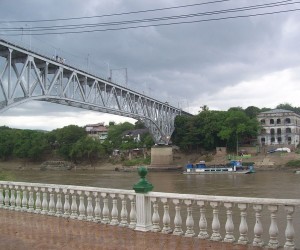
132,214
97,210
258,228
229,226
189,219
202,222
177,220
124,213
243,239
155,216
178,211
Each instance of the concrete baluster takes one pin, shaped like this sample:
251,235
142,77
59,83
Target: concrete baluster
105,211
97,210
124,213
18,199
155,216
89,207
1,197
81,206
202,221
229,226
243,228
273,230
166,217
51,202
114,212
189,219
132,214
289,231
30,200
67,206
6,198
177,220
38,202
24,199
59,205
12,199
45,201
74,214
216,236
258,228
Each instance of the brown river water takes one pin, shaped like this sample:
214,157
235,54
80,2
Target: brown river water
263,184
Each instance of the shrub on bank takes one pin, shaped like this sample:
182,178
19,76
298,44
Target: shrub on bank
293,163
137,161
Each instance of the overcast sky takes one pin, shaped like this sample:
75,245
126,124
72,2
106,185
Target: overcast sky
222,64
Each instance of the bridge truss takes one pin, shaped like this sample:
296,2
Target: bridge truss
26,75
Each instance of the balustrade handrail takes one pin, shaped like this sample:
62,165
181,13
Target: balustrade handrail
195,197
70,187
233,199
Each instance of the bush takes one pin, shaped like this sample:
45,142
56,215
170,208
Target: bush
137,161
293,163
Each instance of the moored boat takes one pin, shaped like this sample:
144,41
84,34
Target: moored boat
235,167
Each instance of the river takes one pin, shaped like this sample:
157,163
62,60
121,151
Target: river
264,184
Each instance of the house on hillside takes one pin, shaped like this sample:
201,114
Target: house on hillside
279,127
97,131
135,134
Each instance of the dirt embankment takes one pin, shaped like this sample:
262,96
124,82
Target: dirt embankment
262,162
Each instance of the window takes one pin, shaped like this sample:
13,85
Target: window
279,139
263,121
288,130
287,120
272,131
272,121
278,121
263,140
279,131
272,139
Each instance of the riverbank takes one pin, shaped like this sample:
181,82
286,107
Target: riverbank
262,162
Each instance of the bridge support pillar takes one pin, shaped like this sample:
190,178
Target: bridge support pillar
162,157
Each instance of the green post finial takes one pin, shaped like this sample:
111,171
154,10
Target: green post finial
143,186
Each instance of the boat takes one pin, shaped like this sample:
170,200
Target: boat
234,167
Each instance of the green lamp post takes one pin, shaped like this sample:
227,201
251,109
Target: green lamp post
143,186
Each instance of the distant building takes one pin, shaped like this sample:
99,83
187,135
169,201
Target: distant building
279,127
135,134
97,131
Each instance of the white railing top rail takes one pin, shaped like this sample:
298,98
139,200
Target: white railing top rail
208,198
69,187
234,199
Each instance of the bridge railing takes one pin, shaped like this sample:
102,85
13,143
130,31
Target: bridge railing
256,221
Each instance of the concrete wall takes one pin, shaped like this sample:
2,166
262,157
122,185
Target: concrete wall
162,156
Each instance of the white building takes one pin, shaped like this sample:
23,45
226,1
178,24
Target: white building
279,127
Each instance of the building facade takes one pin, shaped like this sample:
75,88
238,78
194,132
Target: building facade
97,131
279,127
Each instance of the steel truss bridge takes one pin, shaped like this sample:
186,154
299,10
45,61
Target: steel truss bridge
26,75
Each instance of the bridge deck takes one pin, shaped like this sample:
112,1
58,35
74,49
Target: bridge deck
37,232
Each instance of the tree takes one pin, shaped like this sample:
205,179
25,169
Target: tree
65,138
86,148
252,111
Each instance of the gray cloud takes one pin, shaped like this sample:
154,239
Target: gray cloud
188,63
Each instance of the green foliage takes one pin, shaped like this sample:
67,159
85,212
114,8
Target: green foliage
137,161
210,129
115,133
87,148
65,138
293,163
